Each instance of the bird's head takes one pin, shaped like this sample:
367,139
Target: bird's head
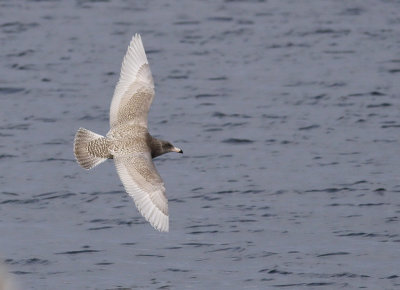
168,147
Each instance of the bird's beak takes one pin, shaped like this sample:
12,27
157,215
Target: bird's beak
177,150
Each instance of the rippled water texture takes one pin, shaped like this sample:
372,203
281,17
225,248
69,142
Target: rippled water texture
289,116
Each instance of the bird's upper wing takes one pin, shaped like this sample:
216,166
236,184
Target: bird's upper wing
134,92
143,183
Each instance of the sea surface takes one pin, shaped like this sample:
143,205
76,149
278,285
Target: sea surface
288,113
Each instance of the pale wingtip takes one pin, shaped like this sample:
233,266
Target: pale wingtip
135,38
163,230
158,220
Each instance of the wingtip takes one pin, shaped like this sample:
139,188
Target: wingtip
165,228
160,222
135,37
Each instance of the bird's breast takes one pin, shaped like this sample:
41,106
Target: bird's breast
127,139
128,146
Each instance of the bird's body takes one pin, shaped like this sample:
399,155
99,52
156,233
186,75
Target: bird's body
128,141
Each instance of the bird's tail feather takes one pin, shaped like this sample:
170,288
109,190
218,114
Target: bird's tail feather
81,150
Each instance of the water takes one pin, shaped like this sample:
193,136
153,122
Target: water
288,114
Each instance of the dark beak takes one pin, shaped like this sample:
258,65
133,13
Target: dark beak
177,150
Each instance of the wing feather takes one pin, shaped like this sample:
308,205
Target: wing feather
143,183
135,78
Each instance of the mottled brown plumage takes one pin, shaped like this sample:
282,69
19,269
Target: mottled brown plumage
128,142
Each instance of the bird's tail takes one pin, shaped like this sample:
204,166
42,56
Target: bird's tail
82,149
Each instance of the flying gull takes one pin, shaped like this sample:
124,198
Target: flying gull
128,142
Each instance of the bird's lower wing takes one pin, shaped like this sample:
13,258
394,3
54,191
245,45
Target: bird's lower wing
143,183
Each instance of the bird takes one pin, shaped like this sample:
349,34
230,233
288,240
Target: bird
128,142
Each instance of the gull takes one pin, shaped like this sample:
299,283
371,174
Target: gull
128,141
